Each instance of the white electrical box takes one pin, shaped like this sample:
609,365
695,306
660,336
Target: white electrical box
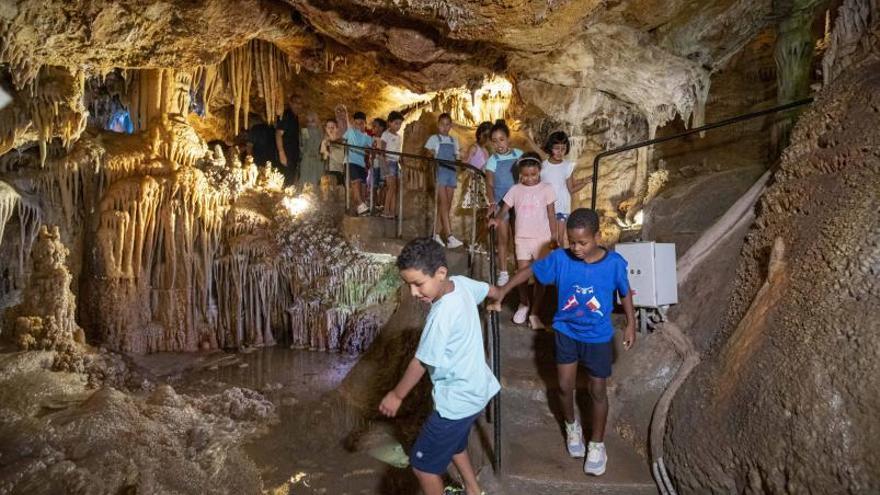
652,275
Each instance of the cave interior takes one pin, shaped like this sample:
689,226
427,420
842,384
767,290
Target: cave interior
193,301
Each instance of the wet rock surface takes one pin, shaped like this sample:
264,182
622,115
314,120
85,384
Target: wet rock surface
67,438
781,402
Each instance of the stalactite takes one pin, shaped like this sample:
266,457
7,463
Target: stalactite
9,200
50,106
237,71
206,79
271,67
154,94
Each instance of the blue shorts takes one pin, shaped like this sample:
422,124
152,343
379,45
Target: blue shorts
596,358
446,177
393,168
439,440
357,173
561,217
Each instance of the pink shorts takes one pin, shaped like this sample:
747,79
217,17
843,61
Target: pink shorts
531,249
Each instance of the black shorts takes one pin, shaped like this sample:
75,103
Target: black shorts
357,173
596,358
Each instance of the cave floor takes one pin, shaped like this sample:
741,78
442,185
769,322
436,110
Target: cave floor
319,445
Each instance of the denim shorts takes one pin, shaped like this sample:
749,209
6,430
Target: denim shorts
393,168
439,440
596,358
446,177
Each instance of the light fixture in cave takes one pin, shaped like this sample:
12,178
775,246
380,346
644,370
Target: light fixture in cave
297,205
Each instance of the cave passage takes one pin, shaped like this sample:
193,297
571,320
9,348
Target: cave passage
203,206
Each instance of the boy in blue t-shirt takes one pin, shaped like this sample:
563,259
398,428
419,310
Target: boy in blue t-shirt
586,276
451,351
354,133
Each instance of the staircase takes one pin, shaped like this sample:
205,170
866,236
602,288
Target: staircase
534,461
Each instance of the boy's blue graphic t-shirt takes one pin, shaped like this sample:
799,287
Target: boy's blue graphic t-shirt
586,292
357,138
451,347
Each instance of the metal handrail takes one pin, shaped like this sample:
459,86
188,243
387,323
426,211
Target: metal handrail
722,123
493,321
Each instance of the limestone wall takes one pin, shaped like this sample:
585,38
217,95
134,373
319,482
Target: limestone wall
786,398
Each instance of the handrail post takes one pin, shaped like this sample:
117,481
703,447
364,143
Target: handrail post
347,183
495,335
400,186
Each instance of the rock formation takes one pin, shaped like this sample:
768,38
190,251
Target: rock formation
784,391
46,318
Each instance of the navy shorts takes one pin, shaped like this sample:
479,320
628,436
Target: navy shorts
596,358
357,173
439,440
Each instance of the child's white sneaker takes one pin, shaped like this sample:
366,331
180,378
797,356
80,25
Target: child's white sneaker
503,278
362,209
521,313
439,240
575,439
452,242
596,459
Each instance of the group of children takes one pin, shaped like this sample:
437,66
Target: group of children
529,199
366,166
553,245
450,350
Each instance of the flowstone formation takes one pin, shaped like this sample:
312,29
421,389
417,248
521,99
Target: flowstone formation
788,384
62,437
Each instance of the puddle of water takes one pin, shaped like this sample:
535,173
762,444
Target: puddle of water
321,445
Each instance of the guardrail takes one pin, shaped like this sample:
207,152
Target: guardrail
722,123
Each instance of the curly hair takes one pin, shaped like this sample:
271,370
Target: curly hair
500,126
423,254
583,218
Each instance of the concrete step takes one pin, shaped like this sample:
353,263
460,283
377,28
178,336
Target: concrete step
535,460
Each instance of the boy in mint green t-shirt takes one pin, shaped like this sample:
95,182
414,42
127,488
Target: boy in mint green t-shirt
451,351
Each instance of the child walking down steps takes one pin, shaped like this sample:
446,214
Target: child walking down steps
451,352
535,223
587,276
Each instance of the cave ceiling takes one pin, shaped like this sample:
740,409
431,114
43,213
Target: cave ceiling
572,61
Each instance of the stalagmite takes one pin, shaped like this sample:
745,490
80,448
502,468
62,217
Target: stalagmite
45,319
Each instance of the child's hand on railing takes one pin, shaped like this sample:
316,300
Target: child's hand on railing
490,212
494,298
